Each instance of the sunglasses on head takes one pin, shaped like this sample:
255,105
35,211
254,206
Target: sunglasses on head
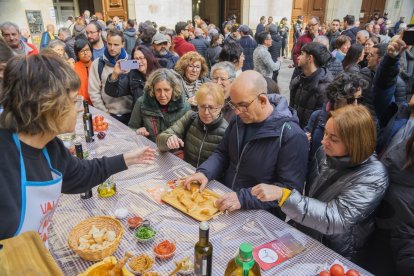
359,100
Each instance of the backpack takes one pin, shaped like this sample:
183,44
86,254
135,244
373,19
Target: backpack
101,65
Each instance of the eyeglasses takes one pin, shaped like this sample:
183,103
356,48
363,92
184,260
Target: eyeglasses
89,33
211,109
193,67
84,52
242,107
311,25
217,79
353,100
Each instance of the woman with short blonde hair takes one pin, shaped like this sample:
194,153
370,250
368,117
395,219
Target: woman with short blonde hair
350,184
199,133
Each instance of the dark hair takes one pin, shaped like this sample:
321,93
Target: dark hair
152,63
109,22
96,24
352,55
272,87
382,49
350,19
79,45
214,38
231,52
6,53
318,51
35,94
115,32
131,22
341,40
261,37
147,34
180,26
337,20
344,86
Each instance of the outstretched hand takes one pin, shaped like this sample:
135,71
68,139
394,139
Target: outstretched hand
139,156
396,47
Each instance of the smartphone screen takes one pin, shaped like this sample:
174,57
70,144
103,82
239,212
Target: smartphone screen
408,37
129,64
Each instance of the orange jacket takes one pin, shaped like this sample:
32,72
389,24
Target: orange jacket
83,73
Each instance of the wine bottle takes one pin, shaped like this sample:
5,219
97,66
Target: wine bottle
203,252
79,154
87,123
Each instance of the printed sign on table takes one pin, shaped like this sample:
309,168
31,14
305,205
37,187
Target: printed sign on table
275,252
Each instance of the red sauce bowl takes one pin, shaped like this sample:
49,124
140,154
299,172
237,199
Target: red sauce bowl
134,222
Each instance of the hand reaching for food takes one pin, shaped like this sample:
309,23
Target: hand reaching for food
197,177
174,142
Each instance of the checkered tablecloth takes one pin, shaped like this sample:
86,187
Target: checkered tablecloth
227,231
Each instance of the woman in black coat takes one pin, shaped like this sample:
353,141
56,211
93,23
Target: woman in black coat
122,83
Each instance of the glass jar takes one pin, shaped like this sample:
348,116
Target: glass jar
107,188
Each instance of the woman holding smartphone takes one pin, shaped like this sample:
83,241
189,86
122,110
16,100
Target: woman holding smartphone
122,82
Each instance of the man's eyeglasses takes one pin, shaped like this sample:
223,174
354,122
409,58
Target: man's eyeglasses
243,107
211,109
353,100
217,79
193,67
311,25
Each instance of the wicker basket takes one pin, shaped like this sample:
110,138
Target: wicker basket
83,228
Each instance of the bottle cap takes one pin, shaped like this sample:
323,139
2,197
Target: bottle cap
204,225
245,251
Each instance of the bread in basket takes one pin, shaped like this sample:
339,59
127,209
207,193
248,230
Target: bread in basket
83,228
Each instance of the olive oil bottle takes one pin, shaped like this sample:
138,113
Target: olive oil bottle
243,264
203,252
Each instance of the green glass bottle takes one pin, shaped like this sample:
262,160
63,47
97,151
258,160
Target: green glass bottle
203,252
243,264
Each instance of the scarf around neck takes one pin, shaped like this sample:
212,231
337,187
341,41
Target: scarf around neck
112,60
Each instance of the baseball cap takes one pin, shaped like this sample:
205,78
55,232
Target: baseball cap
243,29
159,38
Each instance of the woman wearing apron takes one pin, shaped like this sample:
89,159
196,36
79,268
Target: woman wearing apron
38,96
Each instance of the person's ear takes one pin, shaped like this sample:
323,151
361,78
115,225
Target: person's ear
263,99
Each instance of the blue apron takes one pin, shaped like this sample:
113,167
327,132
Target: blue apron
39,198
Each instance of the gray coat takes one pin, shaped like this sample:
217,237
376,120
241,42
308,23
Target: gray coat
263,63
340,214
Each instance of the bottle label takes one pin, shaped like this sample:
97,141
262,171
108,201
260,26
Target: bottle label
204,266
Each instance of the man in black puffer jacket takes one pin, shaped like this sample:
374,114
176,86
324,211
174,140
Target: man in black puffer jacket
307,90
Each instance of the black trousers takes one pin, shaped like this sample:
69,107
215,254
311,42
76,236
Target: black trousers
123,118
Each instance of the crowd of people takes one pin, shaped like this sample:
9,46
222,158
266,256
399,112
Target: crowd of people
335,161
